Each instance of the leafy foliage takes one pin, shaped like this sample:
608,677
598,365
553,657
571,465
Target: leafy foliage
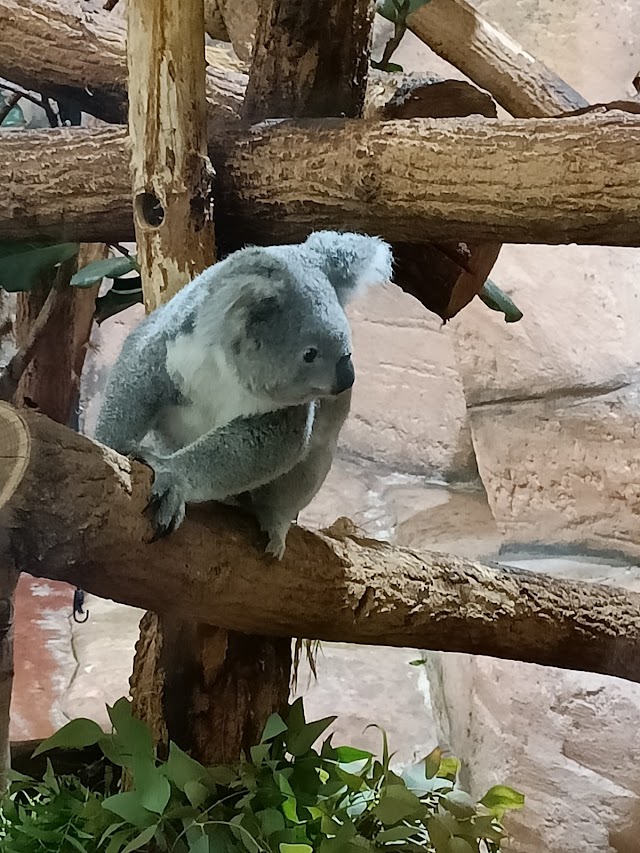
284,797
390,9
23,263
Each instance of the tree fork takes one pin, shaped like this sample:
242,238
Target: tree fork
71,510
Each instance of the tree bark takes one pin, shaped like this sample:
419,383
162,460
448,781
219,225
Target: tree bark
72,510
53,47
549,181
309,59
171,172
519,82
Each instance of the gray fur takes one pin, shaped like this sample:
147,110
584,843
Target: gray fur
237,388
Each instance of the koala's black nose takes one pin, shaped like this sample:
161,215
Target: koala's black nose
345,374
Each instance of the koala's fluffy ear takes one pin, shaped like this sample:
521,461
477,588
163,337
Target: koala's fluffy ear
351,262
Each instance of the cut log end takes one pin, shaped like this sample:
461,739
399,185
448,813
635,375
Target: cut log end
15,451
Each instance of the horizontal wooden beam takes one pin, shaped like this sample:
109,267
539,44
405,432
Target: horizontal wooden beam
72,511
518,181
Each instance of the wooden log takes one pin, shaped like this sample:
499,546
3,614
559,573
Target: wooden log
54,47
519,82
72,510
553,181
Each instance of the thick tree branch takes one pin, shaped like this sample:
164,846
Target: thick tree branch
518,181
54,47
72,510
519,82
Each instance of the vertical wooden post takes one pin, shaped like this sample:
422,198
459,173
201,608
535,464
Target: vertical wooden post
173,217
170,170
211,690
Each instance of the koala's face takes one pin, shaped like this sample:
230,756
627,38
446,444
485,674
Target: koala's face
296,344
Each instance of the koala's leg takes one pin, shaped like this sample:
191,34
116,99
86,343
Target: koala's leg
239,457
278,503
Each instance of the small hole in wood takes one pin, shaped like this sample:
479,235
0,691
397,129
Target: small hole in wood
150,209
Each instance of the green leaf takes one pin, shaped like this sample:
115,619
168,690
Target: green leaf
459,803
274,726
348,754
387,8
74,735
272,821
106,268
397,833
398,803
140,840
153,787
459,845
15,116
135,735
497,300
196,792
389,67
301,735
501,797
432,763
180,768
418,662
24,263
295,848
259,753
128,806
117,841
449,767
439,833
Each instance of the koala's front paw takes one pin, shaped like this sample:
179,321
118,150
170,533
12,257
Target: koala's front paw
165,509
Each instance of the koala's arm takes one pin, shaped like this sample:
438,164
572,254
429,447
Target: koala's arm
243,455
137,387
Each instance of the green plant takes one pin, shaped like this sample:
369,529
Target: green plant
284,797
23,262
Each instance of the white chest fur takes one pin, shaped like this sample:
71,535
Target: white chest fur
213,392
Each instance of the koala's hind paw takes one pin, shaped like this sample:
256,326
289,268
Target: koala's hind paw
276,547
165,509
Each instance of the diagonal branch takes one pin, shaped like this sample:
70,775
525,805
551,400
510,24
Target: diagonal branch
519,82
73,512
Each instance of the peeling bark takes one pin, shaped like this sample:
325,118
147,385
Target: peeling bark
73,512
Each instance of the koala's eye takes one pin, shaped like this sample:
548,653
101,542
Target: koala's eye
310,355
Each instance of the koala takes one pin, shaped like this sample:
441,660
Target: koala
236,389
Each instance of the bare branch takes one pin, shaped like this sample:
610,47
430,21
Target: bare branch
73,512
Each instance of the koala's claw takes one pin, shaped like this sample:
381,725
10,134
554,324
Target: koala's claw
277,544
165,509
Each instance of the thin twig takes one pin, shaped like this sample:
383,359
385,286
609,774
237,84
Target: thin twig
11,102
